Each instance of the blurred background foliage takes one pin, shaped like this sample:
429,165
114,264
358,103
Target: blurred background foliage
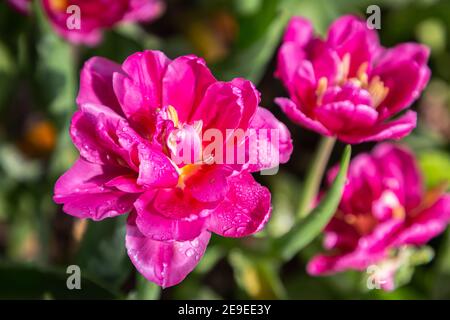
38,84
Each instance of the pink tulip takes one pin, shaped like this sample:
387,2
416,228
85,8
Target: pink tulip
96,15
22,6
383,208
125,129
348,85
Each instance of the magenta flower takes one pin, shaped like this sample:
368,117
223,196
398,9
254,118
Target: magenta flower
348,85
130,120
22,6
383,209
96,15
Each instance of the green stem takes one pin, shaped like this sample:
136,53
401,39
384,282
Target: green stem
315,175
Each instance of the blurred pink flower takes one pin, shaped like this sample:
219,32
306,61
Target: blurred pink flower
96,15
383,208
348,85
23,6
128,116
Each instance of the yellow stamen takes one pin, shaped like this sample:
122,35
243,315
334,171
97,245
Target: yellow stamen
377,91
59,5
399,213
362,74
185,172
321,88
344,68
363,223
173,115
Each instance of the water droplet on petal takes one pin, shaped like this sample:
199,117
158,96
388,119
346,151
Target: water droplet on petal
189,252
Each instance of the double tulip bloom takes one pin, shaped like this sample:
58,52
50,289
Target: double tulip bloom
348,85
383,209
125,129
93,15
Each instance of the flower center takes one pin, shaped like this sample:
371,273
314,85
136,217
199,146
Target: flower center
376,88
363,223
186,172
184,145
59,5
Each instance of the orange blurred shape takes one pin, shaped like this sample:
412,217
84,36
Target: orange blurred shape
213,37
39,139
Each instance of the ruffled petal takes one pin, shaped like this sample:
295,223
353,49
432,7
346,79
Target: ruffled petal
398,165
245,210
220,109
344,116
405,81
140,91
104,137
156,170
298,30
169,214
164,263
209,183
269,140
184,85
289,57
395,129
427,224
83,191
144,10
350,35
250,100
96,83
297,116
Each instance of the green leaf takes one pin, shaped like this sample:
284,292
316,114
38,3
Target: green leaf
259,36
257,276
145,290
55,69
21,281
102,252
310,227
435,166
441,289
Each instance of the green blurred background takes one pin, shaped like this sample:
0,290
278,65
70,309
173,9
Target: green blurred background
39,76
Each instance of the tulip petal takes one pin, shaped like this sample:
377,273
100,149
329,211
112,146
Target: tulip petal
185,83
144,10
250,100
221,108
428,224
345,117
395,129
140,91
164,263
405,81
209,183
271,142
96,83
83,191
168,214
155,168
294,113
245,210
398,164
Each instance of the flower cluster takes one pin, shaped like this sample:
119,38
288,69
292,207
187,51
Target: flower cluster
140,130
